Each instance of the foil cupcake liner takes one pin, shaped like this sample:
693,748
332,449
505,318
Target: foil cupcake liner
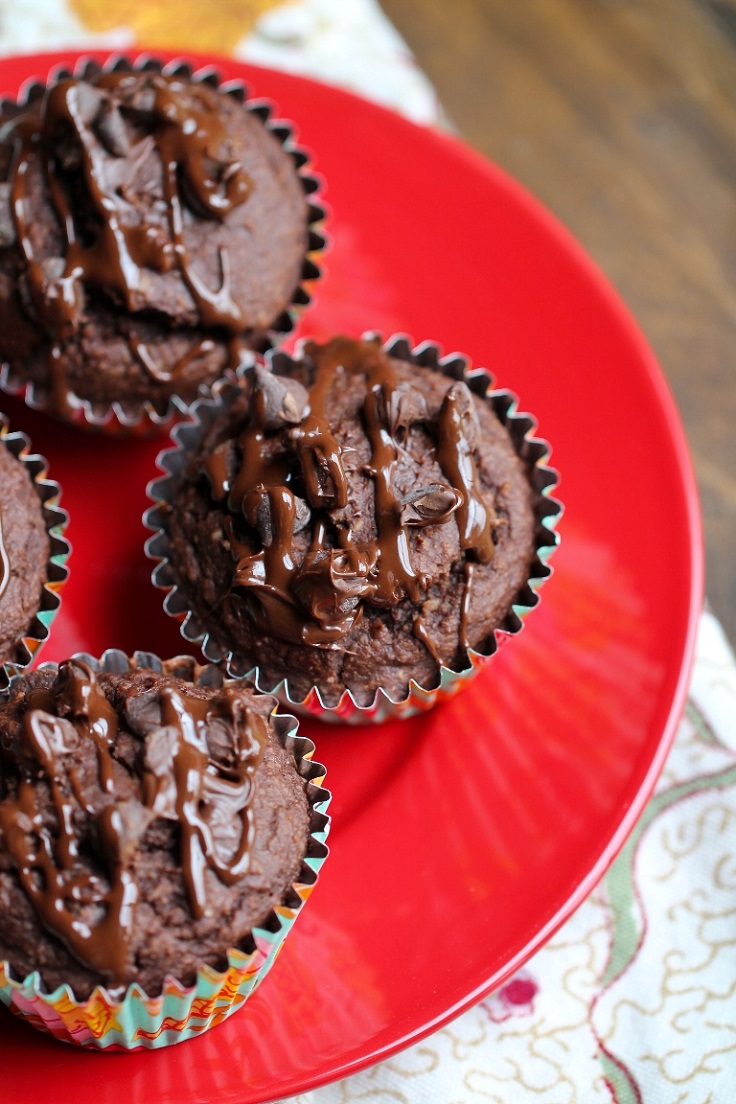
136,1020
144,418
56,520
534,451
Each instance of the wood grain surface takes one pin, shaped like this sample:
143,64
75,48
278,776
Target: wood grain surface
620,115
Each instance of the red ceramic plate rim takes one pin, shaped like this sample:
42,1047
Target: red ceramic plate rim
670,707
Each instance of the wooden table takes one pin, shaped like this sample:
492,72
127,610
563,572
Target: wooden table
620,115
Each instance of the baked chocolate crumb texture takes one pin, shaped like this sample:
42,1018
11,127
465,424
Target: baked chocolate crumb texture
354,528
160,830
155,226
33,551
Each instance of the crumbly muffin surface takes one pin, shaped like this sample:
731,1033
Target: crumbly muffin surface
352,524
146,825
150,228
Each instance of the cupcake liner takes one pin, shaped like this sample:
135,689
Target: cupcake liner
136,1020
57,572
144,418
419,699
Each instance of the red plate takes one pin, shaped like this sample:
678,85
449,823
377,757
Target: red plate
460,840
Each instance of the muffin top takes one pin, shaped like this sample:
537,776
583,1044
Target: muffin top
353,522
147,823
150,212
24,553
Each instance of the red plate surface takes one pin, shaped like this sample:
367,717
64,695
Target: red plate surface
460,840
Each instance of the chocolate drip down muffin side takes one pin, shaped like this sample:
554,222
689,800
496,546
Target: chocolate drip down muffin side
355,522
147,824
151,228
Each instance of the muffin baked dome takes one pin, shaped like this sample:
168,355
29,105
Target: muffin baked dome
148,823
151,227
352,521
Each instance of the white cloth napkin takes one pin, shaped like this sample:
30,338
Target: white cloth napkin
633,1001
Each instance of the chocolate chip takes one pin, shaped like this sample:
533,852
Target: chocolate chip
399,408
322,479
143,712
277,400
86,99
429,505
221,741
320,459
461,397
111,130
302,514
160,751
258,512
331,583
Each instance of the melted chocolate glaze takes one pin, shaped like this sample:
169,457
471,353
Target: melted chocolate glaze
121,158
179,778
284,472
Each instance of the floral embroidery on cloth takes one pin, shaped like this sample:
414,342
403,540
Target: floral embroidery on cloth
632,1001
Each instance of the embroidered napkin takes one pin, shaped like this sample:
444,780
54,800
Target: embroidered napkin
634,999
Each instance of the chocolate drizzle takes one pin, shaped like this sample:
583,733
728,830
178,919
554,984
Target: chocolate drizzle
457,427
168,375
313,589
182,783
195,768
122,156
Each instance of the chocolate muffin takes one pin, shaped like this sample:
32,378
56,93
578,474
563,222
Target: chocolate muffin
33,551
359,519
150,818
153,226
24,553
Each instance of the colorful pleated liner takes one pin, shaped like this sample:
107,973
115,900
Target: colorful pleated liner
136,1021
419,699
141,1022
